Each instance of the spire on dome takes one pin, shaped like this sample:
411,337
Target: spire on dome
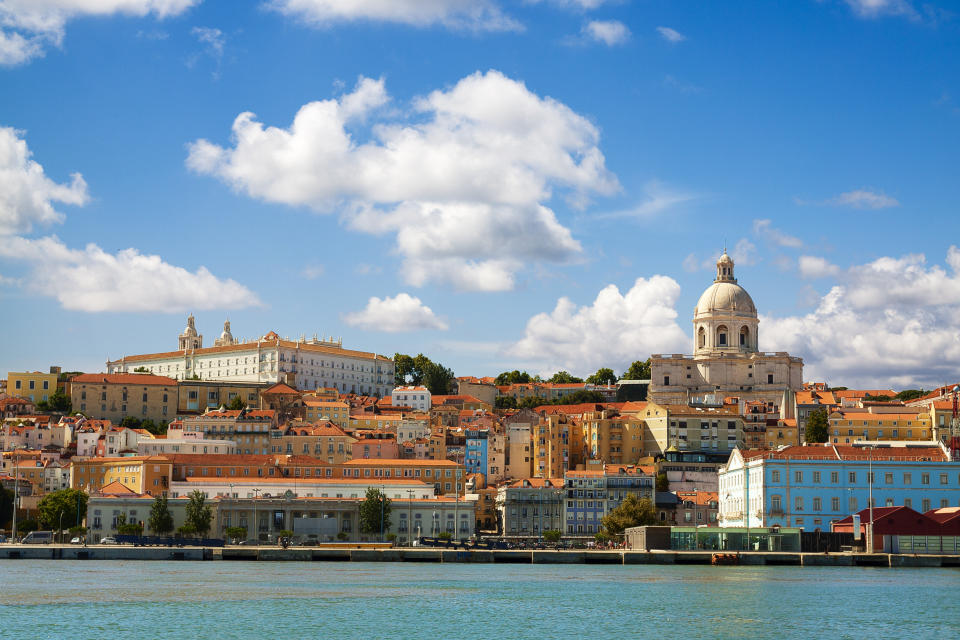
725,268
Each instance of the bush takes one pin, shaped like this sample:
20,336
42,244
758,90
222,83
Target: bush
445,535
552,536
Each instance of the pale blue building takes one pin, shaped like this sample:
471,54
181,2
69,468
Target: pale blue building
811,486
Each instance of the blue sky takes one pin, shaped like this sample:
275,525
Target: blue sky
537,185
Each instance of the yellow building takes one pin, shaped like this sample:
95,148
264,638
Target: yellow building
142,474
324,440
114,396
445,475
197,396
860,424
610,437
333,409
382,421
33,385
557,446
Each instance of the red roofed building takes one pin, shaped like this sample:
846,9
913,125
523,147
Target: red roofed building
114,396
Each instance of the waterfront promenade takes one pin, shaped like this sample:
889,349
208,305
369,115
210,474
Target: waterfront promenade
373,553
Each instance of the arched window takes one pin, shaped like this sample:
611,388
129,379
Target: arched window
744,336
701,338
722,336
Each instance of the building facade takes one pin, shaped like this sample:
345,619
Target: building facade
114,396
301,363
811,486
726,358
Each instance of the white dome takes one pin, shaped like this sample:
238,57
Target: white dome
725,298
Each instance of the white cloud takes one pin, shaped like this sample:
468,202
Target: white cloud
312,271
609,32
403,312
27,195
863,199
27,26
93,280
657,199
671,35
816,267
878,8
893,322
765,228
464,187
481,15
614,331
582,5
743,253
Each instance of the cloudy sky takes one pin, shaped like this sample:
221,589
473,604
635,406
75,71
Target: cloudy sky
499,184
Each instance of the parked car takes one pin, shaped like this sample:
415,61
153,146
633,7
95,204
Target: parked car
76,540
250,543
38,537
109,540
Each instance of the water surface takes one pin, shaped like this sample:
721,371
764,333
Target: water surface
82,599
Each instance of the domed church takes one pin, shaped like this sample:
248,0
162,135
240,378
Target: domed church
726,360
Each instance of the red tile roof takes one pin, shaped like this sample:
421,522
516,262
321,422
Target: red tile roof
123,378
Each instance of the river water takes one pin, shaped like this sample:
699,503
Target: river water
81,599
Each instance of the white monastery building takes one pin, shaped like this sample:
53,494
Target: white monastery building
726,361
302,363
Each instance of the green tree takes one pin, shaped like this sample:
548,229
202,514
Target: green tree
530,402
130,422
128,529
512,377
60,402
66,502
160,521
6,507
237,403
639,370
198,514
27,525
438,379
505,402
663,483
375,512
562,377
552,535
236,533
402,367
141,370
632,512
910,394
817,424
603,375
186,530
579,397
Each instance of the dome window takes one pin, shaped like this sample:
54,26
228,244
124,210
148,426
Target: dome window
744,337
722,336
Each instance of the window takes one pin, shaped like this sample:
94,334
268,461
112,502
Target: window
943,480
908,503
926,505
817,504
907,478
852,504
798,476
835,504
816,477
834,477
798,503
775,504
925,479
775,476
769,378
853,477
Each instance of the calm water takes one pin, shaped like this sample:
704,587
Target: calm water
65,599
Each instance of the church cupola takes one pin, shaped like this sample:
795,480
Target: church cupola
725,268
226,338
190,339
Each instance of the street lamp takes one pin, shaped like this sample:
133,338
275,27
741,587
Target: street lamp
410,493
16,493
256,525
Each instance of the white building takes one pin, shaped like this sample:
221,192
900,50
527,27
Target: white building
726,360
417,398
277,487
161,446
301,363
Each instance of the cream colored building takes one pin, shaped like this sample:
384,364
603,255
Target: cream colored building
726,359
301,363
114,396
